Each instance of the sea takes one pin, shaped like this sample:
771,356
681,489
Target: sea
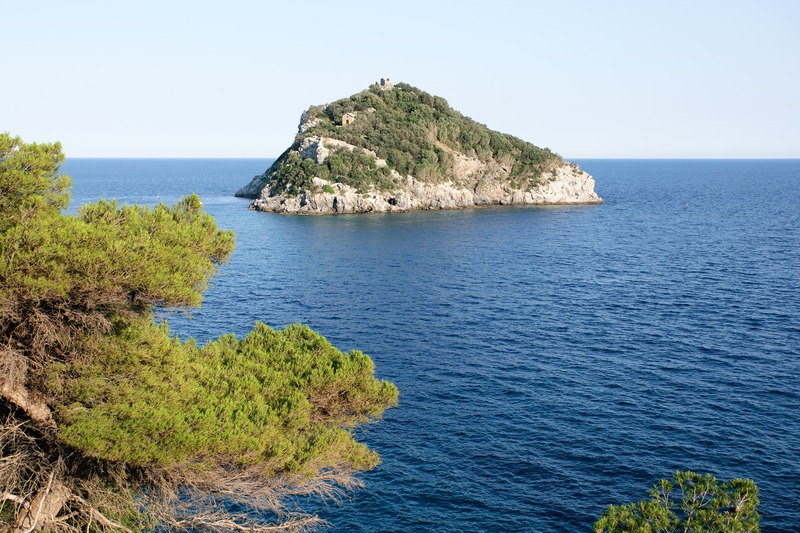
550,360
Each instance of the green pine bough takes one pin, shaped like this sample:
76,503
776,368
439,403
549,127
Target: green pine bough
690,502
110,423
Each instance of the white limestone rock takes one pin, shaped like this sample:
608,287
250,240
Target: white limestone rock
566,185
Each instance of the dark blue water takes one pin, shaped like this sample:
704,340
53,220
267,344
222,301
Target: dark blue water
550,360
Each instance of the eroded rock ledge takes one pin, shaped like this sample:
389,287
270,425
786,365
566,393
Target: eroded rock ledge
566,185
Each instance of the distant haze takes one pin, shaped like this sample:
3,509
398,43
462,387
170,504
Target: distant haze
586,79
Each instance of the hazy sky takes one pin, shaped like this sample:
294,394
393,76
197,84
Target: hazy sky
230,79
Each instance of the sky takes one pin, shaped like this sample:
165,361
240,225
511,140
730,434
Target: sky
651,79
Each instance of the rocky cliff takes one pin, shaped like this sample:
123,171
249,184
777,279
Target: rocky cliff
380,157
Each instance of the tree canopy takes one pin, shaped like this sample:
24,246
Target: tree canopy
107,421
690,502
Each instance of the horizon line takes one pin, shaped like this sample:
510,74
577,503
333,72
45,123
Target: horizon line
742,158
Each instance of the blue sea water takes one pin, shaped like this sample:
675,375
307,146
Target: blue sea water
550,360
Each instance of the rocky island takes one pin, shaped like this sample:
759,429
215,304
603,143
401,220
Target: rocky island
394,148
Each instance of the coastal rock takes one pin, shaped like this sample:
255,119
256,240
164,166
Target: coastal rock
306,123
255,187
566,185
314,148
319,148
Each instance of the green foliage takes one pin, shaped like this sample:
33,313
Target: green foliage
277,399
690,503
106,256
292,174
77,297
29,179
415,132
169,253
357,169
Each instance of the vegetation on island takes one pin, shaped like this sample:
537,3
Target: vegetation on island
414,132
689,502
109,423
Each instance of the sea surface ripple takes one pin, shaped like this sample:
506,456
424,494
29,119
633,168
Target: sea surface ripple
550,360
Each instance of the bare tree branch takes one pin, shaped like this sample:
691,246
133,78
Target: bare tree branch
38,411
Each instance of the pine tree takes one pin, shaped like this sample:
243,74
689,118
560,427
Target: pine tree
689,503
109,423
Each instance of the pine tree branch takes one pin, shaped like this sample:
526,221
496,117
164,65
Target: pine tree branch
37,410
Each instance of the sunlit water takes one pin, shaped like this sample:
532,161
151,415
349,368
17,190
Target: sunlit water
550,360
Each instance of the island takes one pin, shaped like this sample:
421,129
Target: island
395,148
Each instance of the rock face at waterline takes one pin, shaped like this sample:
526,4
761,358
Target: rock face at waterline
394,148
